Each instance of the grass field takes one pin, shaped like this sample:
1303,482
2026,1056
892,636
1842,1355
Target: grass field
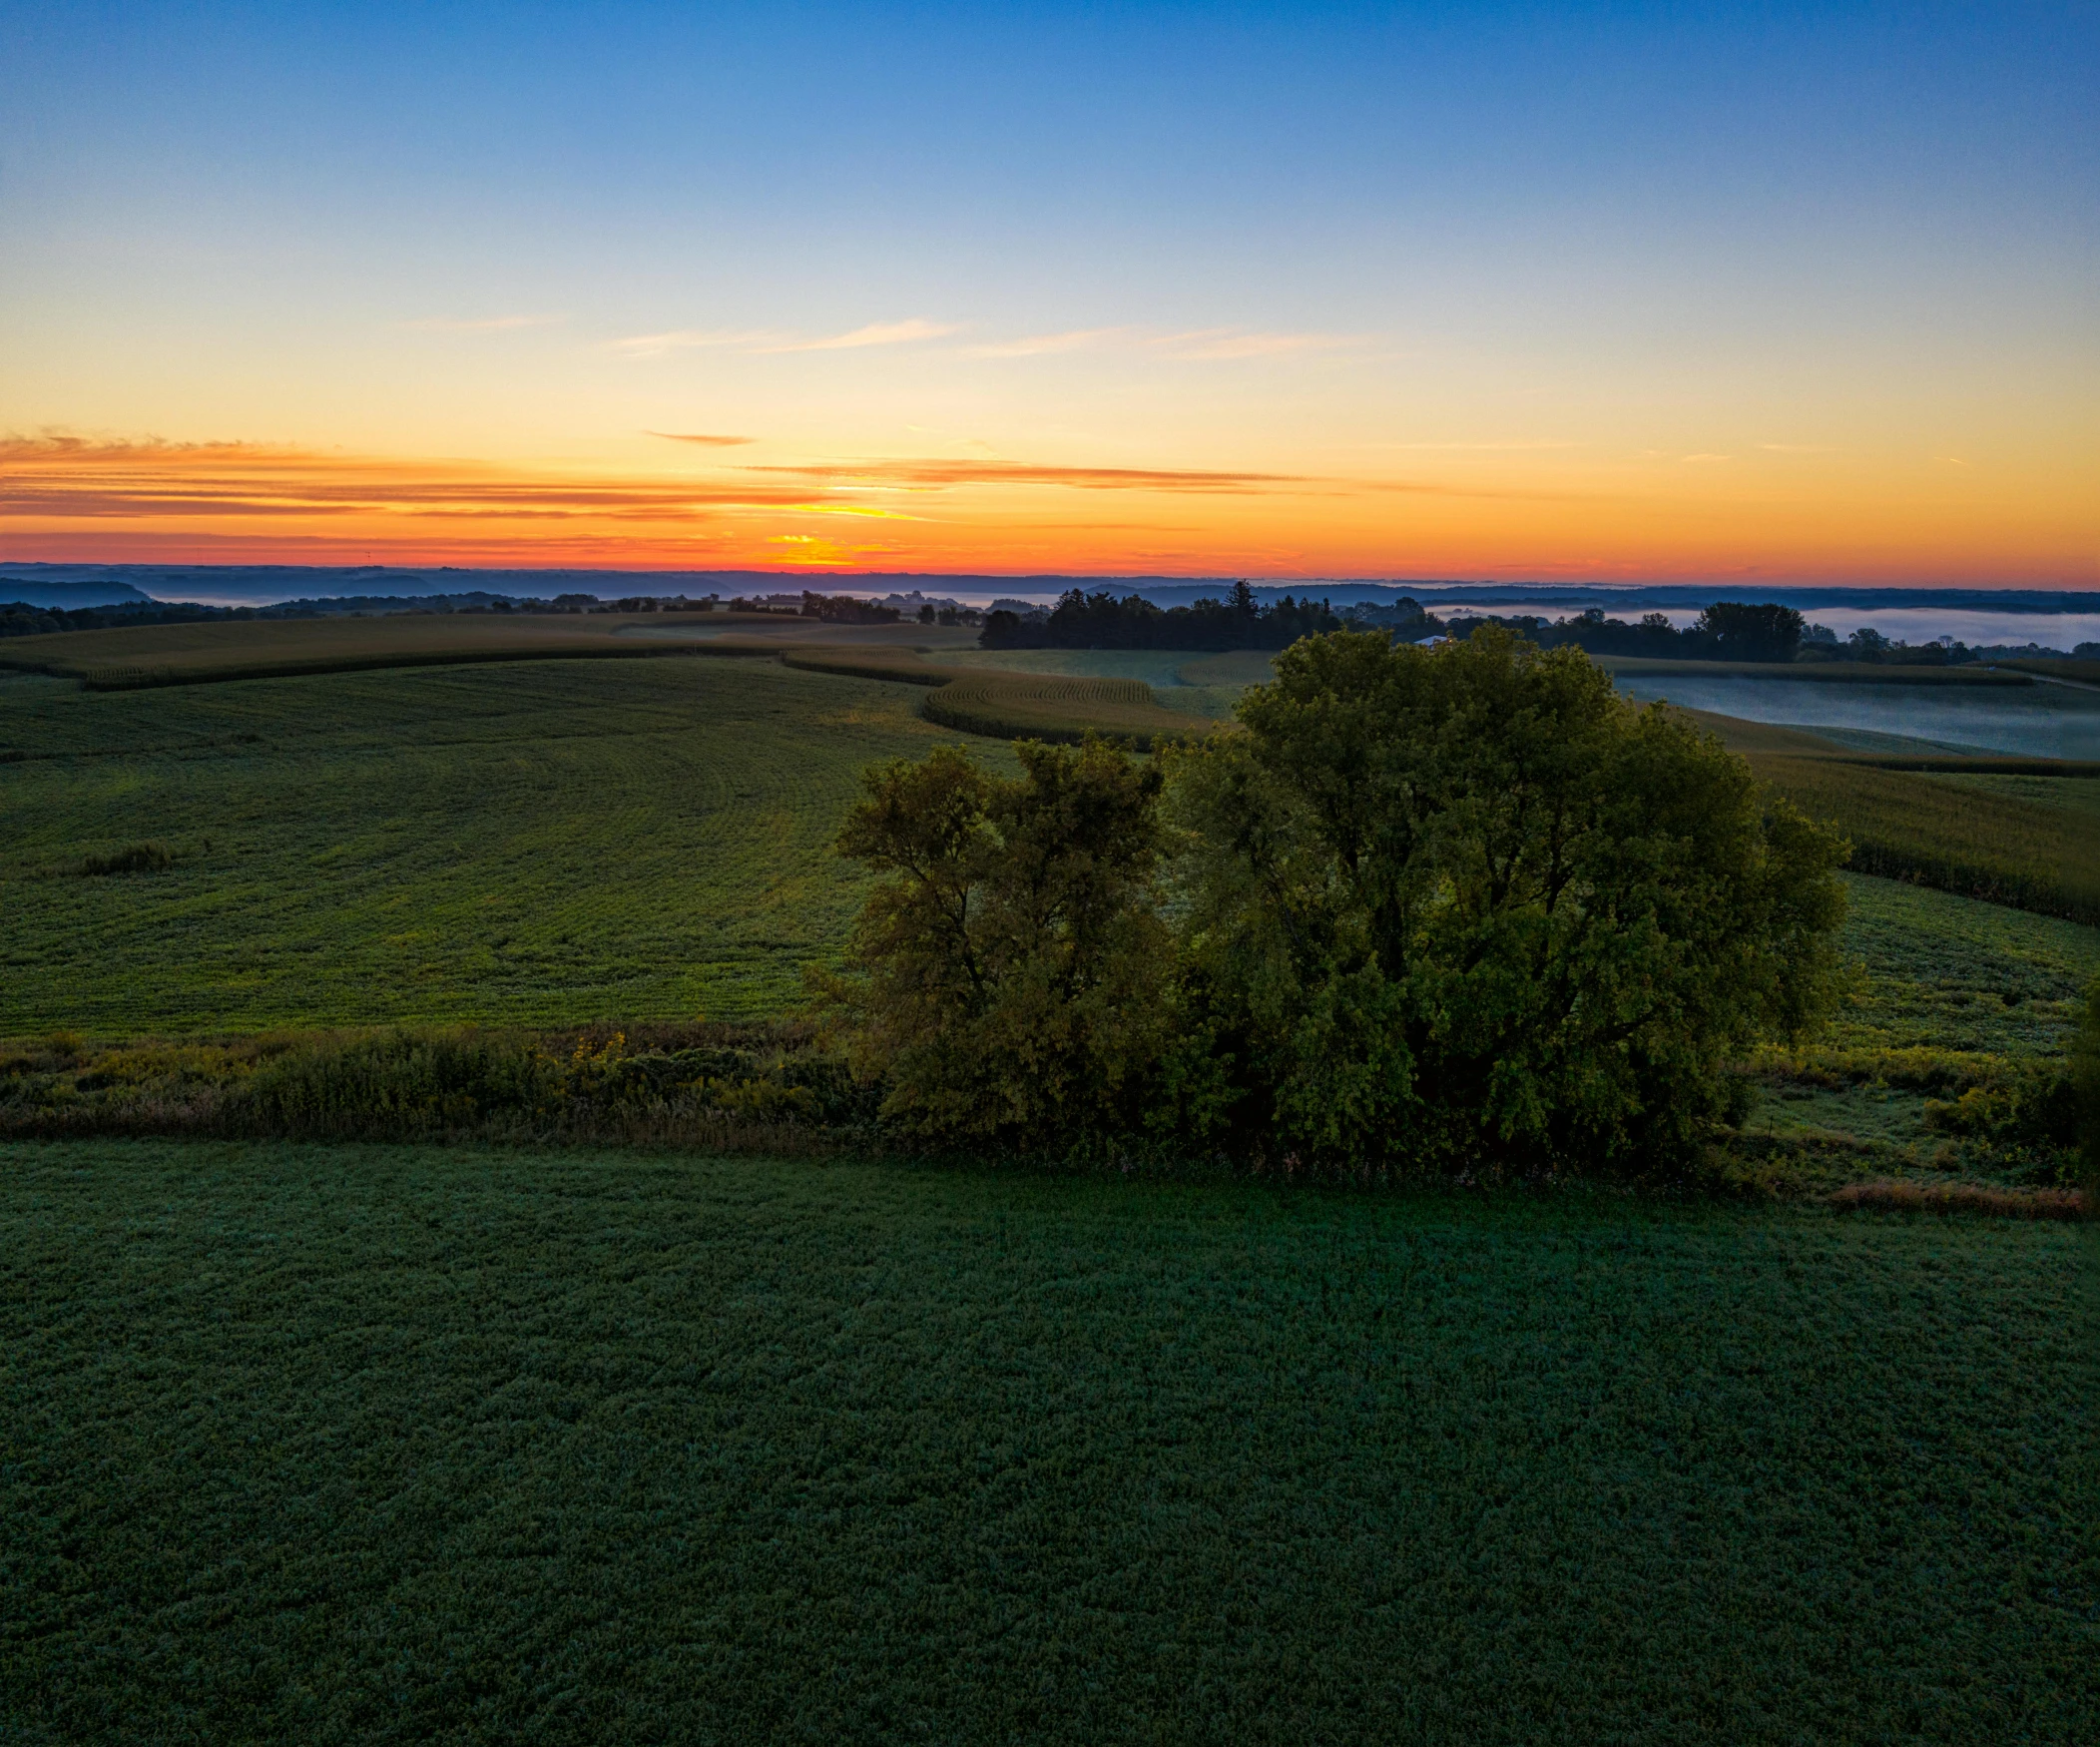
1194,684
552,843
395,1445
548,844
217,650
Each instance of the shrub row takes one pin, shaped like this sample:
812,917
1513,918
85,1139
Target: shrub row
697,1085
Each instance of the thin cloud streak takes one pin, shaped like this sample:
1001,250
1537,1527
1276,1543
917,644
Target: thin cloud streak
1472,449
767,342
934,475
650,345
874,333
1043,345
71,478
938,474
702,439
1197,345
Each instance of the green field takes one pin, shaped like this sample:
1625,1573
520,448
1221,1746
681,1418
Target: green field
1194,684
391,1445
548,842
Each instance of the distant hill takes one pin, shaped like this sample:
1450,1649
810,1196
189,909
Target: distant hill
66,595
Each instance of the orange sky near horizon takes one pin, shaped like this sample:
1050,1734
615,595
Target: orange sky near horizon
1561,513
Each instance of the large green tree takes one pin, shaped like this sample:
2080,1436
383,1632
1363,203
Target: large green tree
1007,976
1468,907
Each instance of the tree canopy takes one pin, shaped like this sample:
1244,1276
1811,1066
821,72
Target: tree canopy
1470,905
1006,974
1420,911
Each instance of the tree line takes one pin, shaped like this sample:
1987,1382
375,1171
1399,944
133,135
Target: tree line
1724,631
1418,912
1102,621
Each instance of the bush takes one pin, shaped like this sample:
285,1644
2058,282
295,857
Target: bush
138,858
1470,910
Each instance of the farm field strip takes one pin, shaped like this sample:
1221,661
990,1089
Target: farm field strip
217,650
2044,722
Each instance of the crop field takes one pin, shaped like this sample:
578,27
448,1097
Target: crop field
549,843
2036,845
1995,829
214,650
388,1443
1195,684
1948,972
1013,706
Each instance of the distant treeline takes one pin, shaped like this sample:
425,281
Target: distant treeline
19,619
1726,631
1101,621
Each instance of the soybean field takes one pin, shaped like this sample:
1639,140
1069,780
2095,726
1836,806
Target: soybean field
351,1443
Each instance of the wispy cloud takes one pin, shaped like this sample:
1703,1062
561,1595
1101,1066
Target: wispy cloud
874,333
864,510
1797,448
480,323
939,474
935,475
1705,458
702,440
71,478
1202,344
764,340
649,345
1040,344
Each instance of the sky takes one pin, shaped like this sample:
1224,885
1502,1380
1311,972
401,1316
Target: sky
1609,294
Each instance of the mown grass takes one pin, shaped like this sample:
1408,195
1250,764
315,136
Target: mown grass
548,844
392,1444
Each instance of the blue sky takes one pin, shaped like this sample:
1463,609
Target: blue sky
1609,233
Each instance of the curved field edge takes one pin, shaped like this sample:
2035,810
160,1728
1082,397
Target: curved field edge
1016,705
581,1447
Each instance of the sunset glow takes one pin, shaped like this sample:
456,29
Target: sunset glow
1500,329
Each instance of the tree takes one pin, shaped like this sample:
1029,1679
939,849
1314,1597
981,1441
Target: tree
1766,632
1007,976
1470,909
